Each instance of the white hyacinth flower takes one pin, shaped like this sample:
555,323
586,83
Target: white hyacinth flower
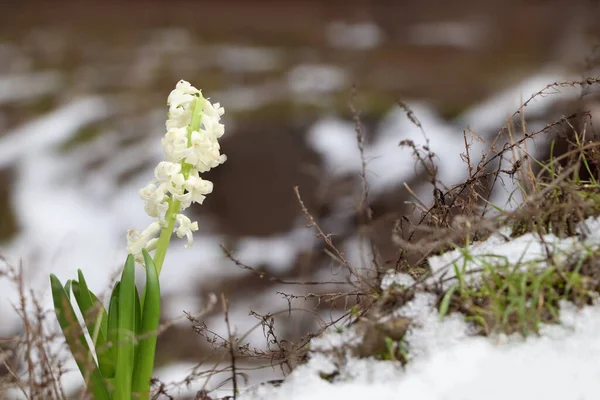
180,103
137,241
191,147
212,124
185,228
198,187
204,152
170,175
155,199
175,144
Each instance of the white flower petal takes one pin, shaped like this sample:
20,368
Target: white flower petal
185,228
137,241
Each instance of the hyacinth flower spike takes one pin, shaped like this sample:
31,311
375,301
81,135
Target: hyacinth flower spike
117,363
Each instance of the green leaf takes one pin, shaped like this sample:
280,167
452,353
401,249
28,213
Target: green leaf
96,320
125,332
138,312
75,338
148,331
137,326
113,319
445,305
68,289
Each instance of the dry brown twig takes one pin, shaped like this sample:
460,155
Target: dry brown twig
364,208
271,278
232,343
338,256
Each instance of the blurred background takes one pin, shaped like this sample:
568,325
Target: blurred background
83,88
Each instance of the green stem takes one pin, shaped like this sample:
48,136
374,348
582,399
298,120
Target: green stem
174,205
165,234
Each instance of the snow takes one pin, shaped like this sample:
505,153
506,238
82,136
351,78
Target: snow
396,278
353,36
527,250
240,59
243,98
28,86
560,364
314,79
279,252
491,114
448,362
446,359
389,165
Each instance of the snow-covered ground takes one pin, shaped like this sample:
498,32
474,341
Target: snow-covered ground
562,363
448,362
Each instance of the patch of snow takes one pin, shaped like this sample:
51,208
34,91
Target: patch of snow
244,59
357,251
250,97
388,164
51,129
590,230
357,36
396,278
559,364
335,140
448,361
22,87
334,340
316,79
444,140
427,334
490,115
60,228
278,252
529,249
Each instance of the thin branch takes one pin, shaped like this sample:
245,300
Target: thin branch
271,278
231,344
325,237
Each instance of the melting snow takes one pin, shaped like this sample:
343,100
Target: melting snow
21,87
358,36
448,363
313,79
389,165
560,364
528,249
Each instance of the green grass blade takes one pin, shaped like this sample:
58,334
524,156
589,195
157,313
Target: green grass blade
445,304
150,320
96,320
75,338
125,332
